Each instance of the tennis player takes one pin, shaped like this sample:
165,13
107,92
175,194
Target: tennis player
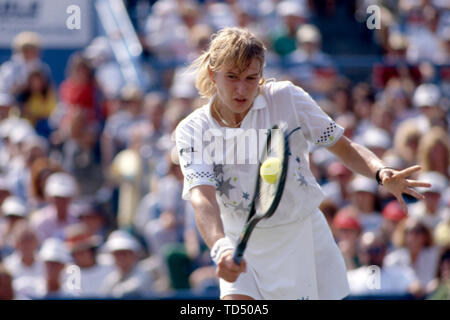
292,255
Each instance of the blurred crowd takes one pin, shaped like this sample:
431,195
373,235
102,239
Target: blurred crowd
90,184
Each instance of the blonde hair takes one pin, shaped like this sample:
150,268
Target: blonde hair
433,137
228,46
407,130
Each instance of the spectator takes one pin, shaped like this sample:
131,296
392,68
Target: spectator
38,102
363,196
24,261
406,142
347,229
337,188
128,279
40,170
78,92
83,248
309,66
432,210
373,277
293,15
415,249
434,151
392,216
14,211
56,257
25,58
116,135
50,221
440,289
426,99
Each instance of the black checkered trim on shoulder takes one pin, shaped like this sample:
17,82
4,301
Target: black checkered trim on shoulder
325,137
199,175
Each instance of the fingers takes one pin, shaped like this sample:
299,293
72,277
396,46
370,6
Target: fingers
415,183
402,203
414,193
406,172
227,269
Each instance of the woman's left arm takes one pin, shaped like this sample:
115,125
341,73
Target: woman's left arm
361,160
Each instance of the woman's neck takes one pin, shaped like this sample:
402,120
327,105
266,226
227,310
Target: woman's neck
225,117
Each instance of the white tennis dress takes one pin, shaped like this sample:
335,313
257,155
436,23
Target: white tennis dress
292,255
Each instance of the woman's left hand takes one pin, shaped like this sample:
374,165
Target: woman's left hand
396,182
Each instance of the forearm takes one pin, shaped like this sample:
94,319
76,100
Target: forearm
207,215
357,158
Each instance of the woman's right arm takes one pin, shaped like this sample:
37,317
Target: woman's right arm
207,217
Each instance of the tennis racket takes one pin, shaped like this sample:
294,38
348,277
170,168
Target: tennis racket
267,195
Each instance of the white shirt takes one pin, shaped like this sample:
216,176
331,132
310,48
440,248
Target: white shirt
277,101
14,264
91,281
425,266
387,280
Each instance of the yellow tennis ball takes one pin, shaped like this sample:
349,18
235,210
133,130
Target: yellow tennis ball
270,170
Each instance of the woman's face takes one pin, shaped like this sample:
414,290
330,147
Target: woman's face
236,90
37,83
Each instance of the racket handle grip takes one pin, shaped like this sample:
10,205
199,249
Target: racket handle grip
237,255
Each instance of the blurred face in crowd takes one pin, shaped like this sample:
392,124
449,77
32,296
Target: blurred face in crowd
61,204
53,271
27,244
373,254
125,260
133,106
81,73
30,53
84,258
438,157
37,82
12,221
364,201
415,239
236,90
432,201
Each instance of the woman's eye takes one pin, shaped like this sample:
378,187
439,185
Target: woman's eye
232,76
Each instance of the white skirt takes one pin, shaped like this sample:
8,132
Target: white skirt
298,261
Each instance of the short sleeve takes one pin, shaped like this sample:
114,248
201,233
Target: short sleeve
318,127
197,170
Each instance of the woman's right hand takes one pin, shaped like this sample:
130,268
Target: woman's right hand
227,269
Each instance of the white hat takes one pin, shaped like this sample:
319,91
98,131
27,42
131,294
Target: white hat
121,240
362,183
6,100
54,250
376,138
438,182
61,184
13,206
426,94
308,33
21,131
291,8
